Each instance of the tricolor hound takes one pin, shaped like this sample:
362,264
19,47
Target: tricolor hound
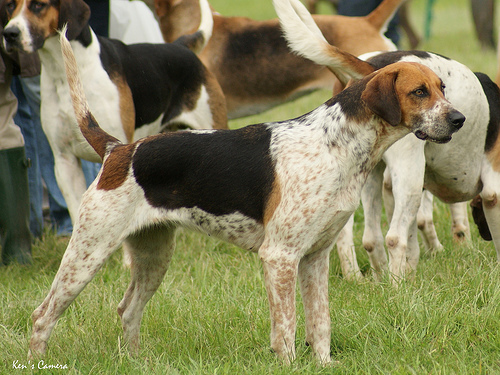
456,172
284,190
133,90
252,62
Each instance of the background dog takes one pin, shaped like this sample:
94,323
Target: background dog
252,62
455,172
133,89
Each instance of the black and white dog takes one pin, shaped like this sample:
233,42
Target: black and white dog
284,190
133,90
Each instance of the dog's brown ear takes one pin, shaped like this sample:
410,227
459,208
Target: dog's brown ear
76,13
381,98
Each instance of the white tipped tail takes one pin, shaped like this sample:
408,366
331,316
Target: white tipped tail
199,39
80,104
95,136
306,39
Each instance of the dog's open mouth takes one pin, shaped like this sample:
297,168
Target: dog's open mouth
425,137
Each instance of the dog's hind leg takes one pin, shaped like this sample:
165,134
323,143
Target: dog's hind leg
150,253
97,234
313,279
490,201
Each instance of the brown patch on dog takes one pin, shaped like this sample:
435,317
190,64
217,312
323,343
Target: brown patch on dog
493,155
421,77
127,110
216,101
44,24
116,167
273,201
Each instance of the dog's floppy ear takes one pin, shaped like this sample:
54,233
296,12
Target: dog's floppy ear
381,98
75,13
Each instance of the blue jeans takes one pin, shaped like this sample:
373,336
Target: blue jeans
27,91
360,8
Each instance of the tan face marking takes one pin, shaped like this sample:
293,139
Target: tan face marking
35,21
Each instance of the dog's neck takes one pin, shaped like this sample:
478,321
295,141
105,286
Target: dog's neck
361,141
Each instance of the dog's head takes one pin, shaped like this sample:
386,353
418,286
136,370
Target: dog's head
31,22
411,95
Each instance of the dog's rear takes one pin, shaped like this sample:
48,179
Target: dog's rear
199,39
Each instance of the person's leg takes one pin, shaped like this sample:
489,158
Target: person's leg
24,119
59,214
15,238
359,8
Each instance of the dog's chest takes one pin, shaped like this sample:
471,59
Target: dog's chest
57,110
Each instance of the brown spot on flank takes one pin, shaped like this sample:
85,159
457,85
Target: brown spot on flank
273,201
493,156
127,110
116,167
216,101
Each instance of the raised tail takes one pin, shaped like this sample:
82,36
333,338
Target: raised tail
306,39
199,39
382,14
95,136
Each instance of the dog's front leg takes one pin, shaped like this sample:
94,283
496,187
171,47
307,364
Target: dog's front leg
280,274
313,279
401,238
70,178
460,219
373,238
425,223
347,252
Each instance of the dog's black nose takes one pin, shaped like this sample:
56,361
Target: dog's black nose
456,119
11,34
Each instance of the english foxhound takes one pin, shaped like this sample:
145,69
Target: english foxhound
456,172
284,190
252,62
134,90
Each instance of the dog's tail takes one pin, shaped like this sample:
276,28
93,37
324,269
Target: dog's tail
95,136
199,39
381,15
306,39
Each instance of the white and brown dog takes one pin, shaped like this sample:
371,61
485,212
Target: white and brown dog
133,90
456,172
252,62
284,190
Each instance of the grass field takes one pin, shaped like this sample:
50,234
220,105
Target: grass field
210,316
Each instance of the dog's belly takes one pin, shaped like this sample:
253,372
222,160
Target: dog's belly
453,180
235,228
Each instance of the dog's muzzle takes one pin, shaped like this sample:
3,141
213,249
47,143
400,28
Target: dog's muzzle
455,120
11,38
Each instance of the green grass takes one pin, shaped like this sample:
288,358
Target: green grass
210,316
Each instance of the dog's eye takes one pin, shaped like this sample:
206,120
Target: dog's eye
420,92
37,6
443,87
10,6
